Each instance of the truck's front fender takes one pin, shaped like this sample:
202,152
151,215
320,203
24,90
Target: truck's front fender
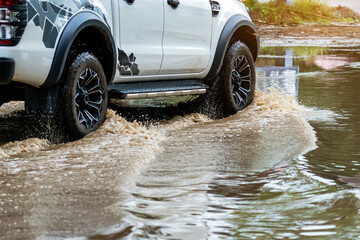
233,24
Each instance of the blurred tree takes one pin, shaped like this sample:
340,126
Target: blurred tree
251,3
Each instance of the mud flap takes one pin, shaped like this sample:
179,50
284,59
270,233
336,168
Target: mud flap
7,68
42,100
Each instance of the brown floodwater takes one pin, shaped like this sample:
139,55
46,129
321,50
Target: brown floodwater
285,168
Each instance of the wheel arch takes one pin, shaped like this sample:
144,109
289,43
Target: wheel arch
237,28
76,34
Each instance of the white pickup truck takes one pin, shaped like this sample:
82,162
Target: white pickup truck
73,55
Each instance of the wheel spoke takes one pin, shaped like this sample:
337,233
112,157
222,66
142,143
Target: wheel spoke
89,80
77,100
239,98
97,91
81,117
95,106
247,80
247,77
244,98
244,66
239,61
236,99
97,85
83,77
96,102
244,90
90,116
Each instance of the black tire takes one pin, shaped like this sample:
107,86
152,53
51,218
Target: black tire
86,95
219,101
237,79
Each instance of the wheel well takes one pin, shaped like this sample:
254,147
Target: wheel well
246,35
95,40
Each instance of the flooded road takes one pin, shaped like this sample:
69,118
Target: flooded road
285,168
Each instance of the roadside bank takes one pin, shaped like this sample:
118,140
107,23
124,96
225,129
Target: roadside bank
332,35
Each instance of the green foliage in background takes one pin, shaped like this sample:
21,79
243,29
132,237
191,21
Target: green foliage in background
316,11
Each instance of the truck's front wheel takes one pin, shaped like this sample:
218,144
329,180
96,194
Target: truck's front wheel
233,89
238,78
86,96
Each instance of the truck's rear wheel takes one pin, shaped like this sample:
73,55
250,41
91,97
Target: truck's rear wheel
86,95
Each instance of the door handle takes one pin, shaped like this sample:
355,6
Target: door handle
129,1
174,3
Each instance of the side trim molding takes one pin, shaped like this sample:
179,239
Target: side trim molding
68,35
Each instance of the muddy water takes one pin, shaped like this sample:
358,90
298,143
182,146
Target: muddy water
278,170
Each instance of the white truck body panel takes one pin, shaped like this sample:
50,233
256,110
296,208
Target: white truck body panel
141,33
32,59
187,37
164,47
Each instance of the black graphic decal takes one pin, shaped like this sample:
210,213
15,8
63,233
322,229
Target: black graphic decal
127,65
50,18
87,4
52,15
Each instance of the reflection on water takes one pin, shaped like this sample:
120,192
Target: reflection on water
194,188
260,174
285,79
283,76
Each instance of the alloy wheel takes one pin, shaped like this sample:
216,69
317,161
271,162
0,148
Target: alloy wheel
241,82
88,98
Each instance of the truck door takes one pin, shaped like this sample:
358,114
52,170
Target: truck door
187,36
141,32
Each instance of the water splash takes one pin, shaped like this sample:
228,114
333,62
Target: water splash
26,146
10,107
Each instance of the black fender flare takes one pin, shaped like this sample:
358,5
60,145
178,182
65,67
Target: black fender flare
234,23
71,30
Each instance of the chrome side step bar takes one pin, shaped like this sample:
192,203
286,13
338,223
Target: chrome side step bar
165,94
143,90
